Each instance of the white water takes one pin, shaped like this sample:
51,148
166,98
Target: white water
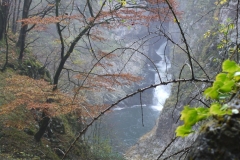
120,108
124,125
161,93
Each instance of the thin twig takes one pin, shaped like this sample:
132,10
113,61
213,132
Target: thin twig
166,148
183,150
178,90
141,107
183,36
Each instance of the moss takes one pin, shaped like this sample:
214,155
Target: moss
18,126
16,142
32,68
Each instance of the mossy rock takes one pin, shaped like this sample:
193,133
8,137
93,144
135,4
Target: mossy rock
34,69
218,141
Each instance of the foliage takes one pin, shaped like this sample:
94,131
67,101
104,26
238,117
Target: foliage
224,34
34,94
221,2
222,90
16,121
78,27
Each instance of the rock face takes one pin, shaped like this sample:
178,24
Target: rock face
150,145
219,137
157,141
219,140
160,142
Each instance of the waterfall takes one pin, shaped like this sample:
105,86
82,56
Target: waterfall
161,93
124,125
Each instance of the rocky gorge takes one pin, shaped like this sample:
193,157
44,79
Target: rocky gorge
140,127
198,18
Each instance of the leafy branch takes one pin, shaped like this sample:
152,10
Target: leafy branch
223,90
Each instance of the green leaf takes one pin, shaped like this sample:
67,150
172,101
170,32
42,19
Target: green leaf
230,75
219,46
217,84
223,96
227,86
216,109
207,34
183,131
189,115
221,77
191,118
230,66
224,107
203,113
211,92
231,26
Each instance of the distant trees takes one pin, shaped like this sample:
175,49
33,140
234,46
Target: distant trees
105,14
40,11
15,15
4,16
80,27
24,28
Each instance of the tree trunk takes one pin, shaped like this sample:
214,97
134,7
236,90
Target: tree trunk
14,24
23,31
43,124
4,9
65,57
18,13
6,56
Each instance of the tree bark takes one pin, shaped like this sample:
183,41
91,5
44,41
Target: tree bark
4,10
6,56
43,124
24,27
18,13
14,24
65,57
70,50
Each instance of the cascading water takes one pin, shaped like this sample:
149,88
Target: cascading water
161,93
124,124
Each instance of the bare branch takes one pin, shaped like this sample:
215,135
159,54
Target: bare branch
183,35
127,96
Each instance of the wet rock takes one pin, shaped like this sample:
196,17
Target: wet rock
57,126
218,141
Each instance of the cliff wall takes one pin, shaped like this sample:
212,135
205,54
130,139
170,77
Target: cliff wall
199,17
